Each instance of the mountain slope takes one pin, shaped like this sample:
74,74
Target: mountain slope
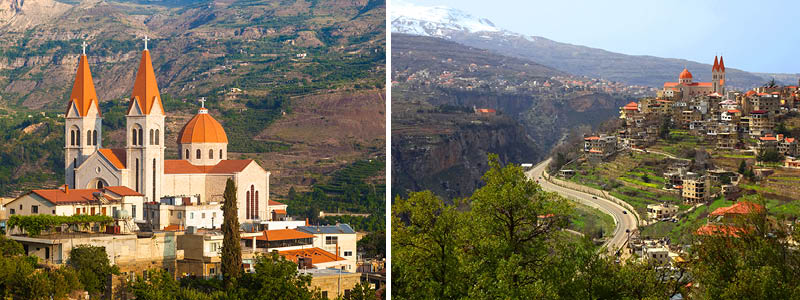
651,71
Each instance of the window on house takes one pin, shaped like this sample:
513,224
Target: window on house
72,137
54,211
180,215
331,240
141,137
211,271
348,253
133,213
34,209
203,215
191,216
13,211
77,137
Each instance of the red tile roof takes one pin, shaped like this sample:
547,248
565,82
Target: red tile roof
631,106
280,211
117,157
72,196
271,202
750,93
486,110
768,138
758,112
318,256
283,234
180,166
726,230
591,138
740,208
685,74
173,228
671,84
123,191
733,111
789,140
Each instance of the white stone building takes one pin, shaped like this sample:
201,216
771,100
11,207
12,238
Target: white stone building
202,170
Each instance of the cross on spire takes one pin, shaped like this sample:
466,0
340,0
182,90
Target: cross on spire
145,42
202,102
84,47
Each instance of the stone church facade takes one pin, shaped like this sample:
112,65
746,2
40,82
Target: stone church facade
201,171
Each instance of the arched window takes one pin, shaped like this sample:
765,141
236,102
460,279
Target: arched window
187,153
137,174
88,138
252,198
99,184
157,135
72,137
247,204
135,138
198,154
210,153
141,137
77,137
151,137
220,153
256,202
94,137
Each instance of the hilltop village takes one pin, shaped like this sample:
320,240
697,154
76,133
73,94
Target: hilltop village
692,159
150,212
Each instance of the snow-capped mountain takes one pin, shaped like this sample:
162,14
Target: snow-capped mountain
435,21
463,28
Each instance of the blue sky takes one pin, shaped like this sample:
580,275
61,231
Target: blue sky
755,36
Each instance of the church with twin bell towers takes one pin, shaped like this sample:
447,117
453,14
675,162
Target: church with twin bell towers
200,173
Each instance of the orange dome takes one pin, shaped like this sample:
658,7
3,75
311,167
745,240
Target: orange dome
685,74
202,129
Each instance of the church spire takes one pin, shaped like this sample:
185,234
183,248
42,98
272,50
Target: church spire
721,64
716,64
145,89
83,93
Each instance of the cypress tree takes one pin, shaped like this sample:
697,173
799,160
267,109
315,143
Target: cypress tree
231,248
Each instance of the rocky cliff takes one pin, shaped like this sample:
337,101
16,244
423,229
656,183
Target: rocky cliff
447,152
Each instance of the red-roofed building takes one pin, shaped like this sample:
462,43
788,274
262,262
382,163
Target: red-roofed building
317,258
117,202
203,165
599,147
689,89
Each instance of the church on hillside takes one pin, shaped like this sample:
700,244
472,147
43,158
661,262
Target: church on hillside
685,89
200,174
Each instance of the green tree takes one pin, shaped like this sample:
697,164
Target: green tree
742,167
645,178
362,291
425,248
231,247
756,259
93,267
511,220
275,278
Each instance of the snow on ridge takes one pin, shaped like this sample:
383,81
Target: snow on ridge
433,20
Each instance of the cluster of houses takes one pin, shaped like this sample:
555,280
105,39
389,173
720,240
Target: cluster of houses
706,110
722,221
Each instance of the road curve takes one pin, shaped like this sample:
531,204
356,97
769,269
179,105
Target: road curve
624,221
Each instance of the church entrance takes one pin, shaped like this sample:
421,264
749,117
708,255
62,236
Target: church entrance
97,183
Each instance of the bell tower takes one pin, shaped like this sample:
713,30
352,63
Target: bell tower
145,132
83,123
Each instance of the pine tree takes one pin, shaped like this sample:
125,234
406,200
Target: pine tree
231,249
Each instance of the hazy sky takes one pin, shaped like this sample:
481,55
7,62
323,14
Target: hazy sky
755,36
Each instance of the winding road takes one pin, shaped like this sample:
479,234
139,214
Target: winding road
623,218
